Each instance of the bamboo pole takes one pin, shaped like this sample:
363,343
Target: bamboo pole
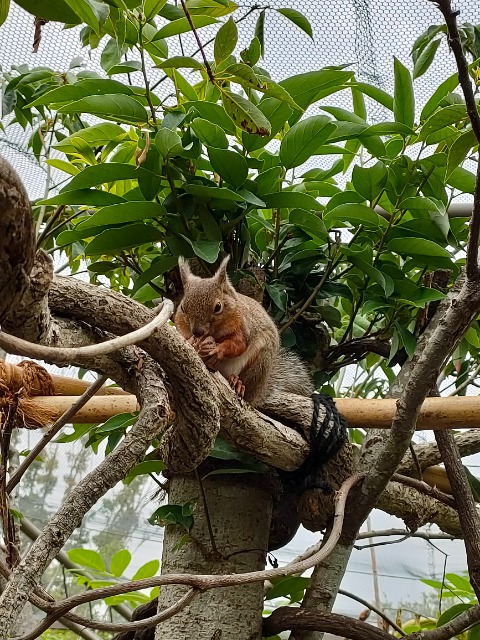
436,413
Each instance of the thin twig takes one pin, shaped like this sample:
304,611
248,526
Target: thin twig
21,347
425,488
54,429
373,608
199,42
455,43
309,300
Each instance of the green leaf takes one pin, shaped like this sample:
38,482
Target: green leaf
93,197
176,27
307,88
79,430
453,612
277,113
55,10
210,134
384,280
113,240
169,143
251,55
369,181
403,102
379,95
98,135
462,180
298,19
81,89
303,139
442,118
87,558
260,31
285,587
147,570
309,222
120,562
181,62
425,58
225,41
230,166
111,107
214,113
354,214
459,149
4,8
388,128
86,13
152,7
104,173
245,114
124,212
291,200
206,249
445,88
158,267
210,193
278,294
417,247
117,423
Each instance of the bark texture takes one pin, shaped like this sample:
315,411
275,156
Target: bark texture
17,243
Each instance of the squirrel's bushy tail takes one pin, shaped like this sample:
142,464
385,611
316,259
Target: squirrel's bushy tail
289,375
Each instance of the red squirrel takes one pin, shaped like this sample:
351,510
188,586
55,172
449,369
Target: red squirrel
234,335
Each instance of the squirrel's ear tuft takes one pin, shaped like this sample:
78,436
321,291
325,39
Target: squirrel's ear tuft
185,272
221,273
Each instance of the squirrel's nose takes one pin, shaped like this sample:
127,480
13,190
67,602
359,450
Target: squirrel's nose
199,331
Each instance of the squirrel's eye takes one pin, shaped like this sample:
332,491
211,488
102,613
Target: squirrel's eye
218,307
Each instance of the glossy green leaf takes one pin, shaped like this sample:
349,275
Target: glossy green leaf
379,95
230,166
225,41
214,113
152,7
404,101
354,214
217,8
291,200
147,570
245,114
260,31
442,90
418,247
89,12
87,558
307,88
95,136
372,272
207,250
169,143
181,62
123,213
176,27
112,107
92,197
443,117
425,59
143,468
277,113
303,139
298,19
159,266
453,612
388,128
462,180
309,222
55,10
106,172
114,240
459,149
210,134
120,562
81,89
369,181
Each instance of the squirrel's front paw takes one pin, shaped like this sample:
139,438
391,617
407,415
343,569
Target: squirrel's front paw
237,385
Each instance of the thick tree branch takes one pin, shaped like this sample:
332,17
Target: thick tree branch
428,454
17,242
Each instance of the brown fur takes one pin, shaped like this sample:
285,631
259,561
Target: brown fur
241,340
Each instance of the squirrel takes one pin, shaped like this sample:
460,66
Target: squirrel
233,334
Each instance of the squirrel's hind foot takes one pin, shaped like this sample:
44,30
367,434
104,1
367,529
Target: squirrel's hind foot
237,385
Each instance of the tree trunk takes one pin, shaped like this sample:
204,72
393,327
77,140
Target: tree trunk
240,508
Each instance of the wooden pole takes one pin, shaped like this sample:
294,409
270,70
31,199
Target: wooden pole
436,413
